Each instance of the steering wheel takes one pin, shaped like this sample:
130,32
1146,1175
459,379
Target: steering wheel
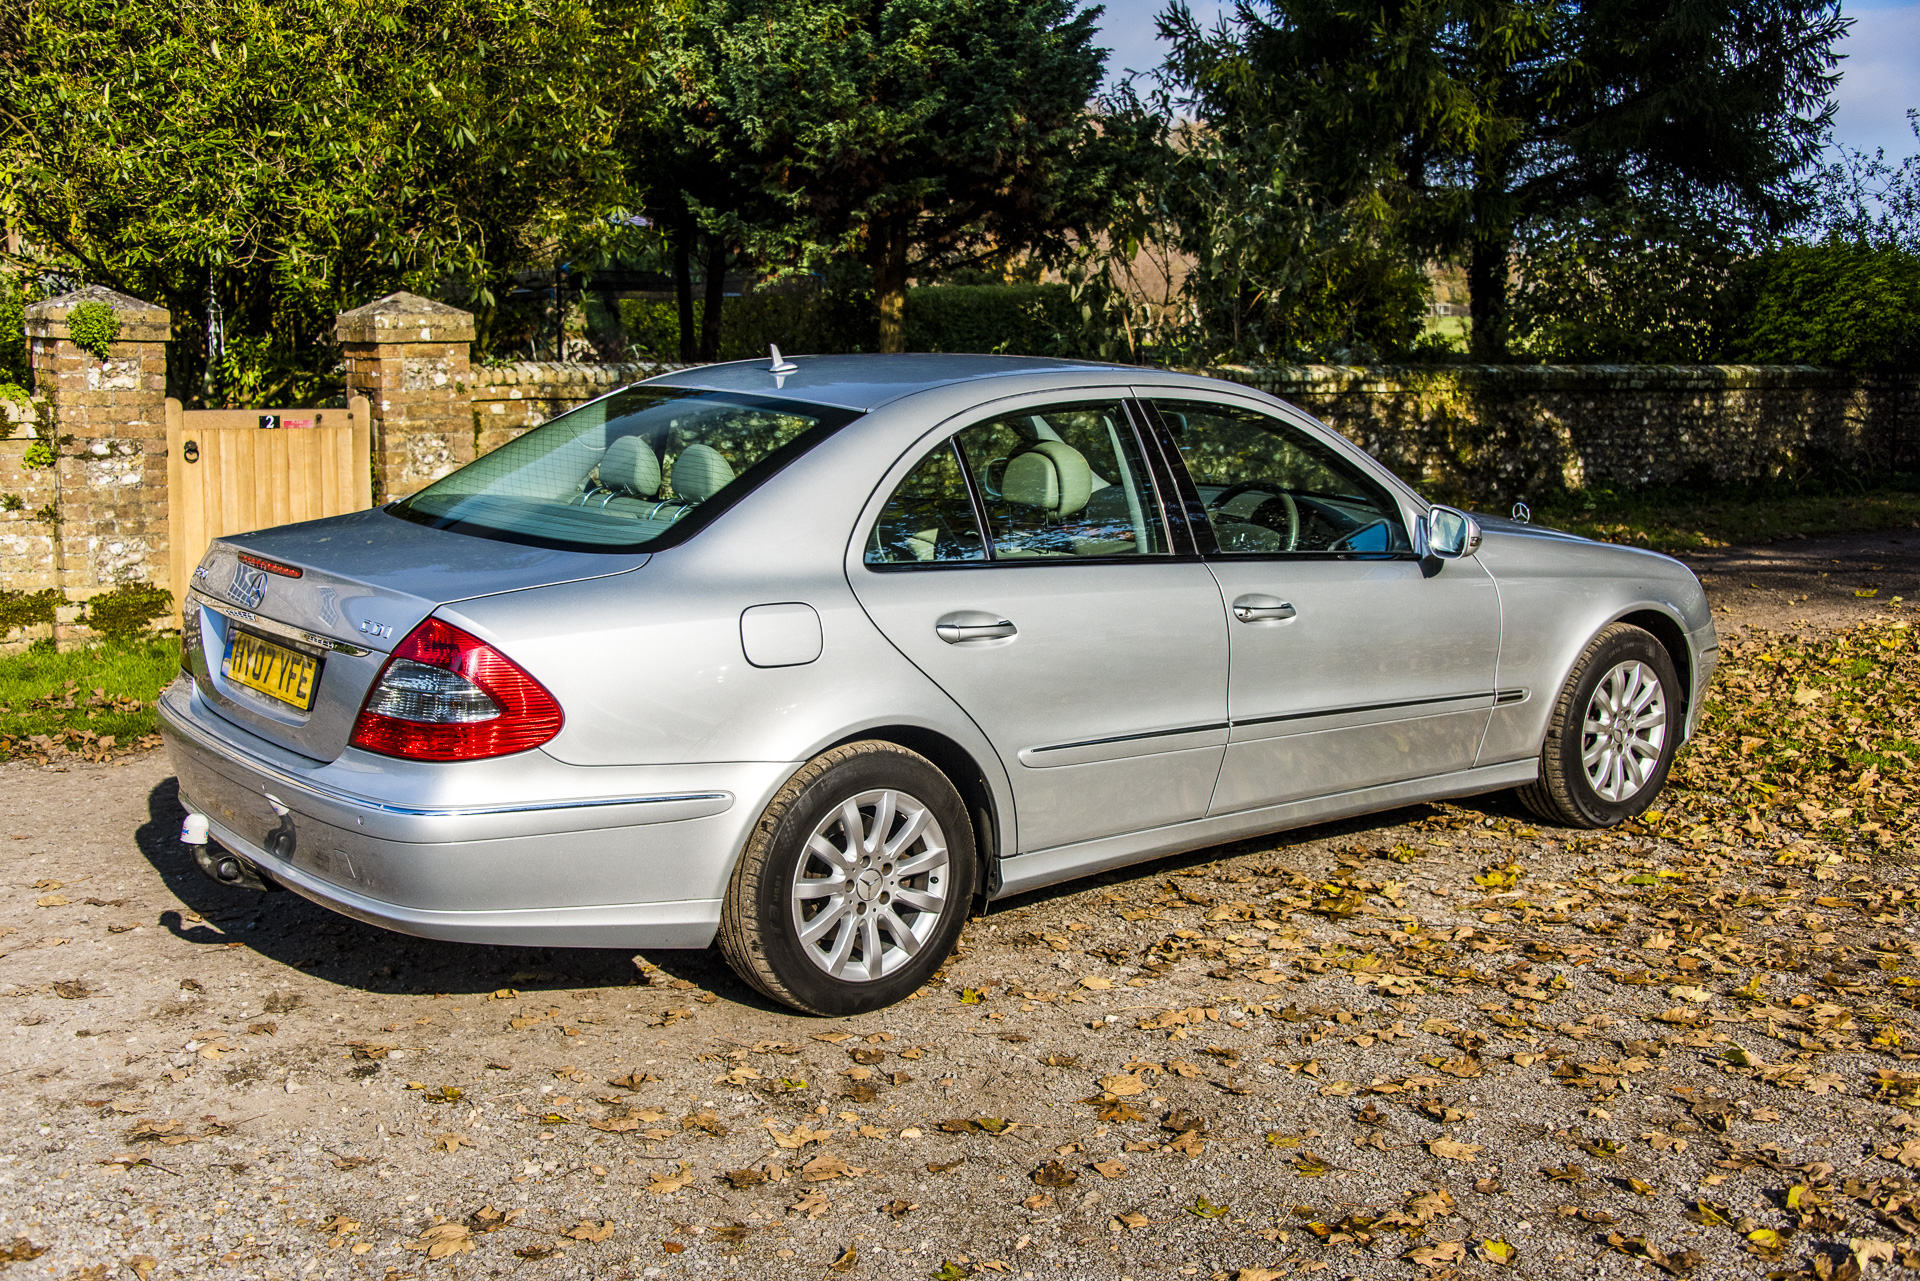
1262,514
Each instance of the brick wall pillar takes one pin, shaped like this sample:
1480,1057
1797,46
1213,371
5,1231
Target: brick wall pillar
109,425
408,356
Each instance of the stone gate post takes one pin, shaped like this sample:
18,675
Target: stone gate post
409,357
109,424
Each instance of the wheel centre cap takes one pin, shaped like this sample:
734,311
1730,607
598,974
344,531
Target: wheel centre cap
866,885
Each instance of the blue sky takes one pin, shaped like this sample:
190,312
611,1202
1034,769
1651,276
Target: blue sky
1880,75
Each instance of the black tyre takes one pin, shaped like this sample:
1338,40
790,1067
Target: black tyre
854,884
1614,730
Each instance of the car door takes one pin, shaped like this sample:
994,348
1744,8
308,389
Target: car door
1354,662
1024,564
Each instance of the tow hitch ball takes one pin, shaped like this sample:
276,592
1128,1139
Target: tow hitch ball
218,864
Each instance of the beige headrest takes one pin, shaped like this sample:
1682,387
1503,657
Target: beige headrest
1051,475
699,473
631,466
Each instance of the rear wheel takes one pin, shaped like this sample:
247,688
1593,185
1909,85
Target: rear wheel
854,884
1614,730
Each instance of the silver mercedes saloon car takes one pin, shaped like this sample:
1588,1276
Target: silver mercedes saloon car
816,656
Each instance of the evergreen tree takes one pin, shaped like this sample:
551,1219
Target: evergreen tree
920,135
1472,117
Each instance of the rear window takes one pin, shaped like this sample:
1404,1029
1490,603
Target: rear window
640,469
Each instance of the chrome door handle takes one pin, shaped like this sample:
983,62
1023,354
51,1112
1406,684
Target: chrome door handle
973,625
1262,609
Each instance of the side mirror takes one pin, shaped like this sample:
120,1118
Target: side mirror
1451,535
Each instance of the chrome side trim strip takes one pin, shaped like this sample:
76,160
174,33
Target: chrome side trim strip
322,790
1131,738
258,623
1365,707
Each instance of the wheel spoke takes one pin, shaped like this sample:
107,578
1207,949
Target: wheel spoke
882,822
835,961
875,955
921,863
920,900
820,925
814,887
916,823
829,853
902,932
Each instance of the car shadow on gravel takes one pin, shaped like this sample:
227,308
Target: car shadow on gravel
285,928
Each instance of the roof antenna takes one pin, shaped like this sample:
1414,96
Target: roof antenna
780,364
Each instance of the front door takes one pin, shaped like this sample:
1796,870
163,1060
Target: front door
1353,662
1023,564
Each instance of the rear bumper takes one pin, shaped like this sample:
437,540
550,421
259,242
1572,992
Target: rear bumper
519,850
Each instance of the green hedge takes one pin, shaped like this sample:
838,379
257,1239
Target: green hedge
1841,303
1021,319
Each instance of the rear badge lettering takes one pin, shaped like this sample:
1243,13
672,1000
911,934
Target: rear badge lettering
371,628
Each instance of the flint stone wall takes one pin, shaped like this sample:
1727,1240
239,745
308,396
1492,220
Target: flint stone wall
1497,433
509,399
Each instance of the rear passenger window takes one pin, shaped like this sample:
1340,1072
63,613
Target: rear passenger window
1064,481
1058,482
929,518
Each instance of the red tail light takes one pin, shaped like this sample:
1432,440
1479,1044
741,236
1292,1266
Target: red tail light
447,696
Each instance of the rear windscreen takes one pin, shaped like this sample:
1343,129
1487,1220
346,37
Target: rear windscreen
639,469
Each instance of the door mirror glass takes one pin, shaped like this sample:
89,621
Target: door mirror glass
1452,534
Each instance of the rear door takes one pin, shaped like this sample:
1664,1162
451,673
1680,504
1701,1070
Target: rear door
1354,663
1024,563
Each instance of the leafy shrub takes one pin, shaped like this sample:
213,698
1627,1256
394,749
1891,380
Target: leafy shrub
39,455
1840,303
15,369
803,321
1616,284
127,609
258,370
93,327
25,609
1026,320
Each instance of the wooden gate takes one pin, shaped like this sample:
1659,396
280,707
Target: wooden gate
234,470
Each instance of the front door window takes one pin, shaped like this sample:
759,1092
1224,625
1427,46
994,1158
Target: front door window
1270,489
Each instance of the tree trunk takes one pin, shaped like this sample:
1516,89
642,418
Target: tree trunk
683,291
1487,297
716,296
887,253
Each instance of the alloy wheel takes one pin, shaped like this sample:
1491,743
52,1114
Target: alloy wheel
1624,731
871,885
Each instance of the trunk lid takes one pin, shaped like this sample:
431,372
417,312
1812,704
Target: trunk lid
366,580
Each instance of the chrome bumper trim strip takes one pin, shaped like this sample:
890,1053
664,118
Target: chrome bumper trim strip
206,741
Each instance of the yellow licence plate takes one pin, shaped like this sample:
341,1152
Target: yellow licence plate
274,670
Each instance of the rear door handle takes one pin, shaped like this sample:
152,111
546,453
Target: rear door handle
973,625
1262,609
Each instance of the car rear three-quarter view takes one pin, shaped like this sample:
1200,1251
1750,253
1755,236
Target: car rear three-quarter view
810,659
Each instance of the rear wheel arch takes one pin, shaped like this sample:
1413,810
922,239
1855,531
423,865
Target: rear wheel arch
968,778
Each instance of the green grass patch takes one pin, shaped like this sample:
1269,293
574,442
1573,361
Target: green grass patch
1683,519
83,696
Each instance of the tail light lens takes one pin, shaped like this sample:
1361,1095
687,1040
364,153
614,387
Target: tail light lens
445,695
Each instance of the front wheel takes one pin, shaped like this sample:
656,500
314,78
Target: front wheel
854,884
1613,734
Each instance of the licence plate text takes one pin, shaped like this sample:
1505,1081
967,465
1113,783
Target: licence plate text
274,670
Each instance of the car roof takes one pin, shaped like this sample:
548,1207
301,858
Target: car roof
866,382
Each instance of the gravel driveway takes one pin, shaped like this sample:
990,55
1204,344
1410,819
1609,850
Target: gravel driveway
1444,1041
